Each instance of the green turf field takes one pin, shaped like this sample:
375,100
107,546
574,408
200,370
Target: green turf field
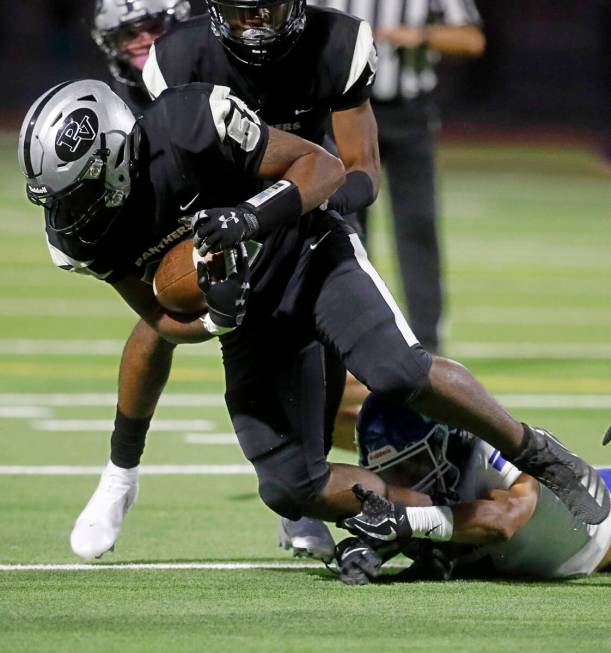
526,232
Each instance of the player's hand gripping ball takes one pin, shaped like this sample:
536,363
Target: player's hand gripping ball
176,279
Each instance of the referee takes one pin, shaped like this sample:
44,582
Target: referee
411,36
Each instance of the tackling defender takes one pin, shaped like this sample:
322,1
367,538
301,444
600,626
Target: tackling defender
488,518
112,189
326,61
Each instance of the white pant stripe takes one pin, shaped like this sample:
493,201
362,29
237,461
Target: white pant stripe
365,264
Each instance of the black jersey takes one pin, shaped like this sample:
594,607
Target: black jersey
136,97
199,147
330,68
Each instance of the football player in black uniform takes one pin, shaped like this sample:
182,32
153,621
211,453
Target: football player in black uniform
112,189
125,32
302,68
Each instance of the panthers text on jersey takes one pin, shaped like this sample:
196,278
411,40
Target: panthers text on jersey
200,147
330,68
551,544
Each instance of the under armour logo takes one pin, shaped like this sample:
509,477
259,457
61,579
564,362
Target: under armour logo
241,300
223,220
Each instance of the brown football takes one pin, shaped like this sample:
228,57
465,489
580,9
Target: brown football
175,283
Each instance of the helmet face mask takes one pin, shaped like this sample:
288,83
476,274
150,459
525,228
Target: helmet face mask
125,30
406,448
257,32
76,149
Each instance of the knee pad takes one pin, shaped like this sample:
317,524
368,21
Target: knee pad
279,497
286,485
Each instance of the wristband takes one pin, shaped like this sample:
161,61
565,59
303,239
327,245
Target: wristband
435,523
214,329
356,193
276,205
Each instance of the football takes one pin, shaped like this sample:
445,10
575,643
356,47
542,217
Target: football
175,282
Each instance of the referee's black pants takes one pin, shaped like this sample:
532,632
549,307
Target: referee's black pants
407,149
274,362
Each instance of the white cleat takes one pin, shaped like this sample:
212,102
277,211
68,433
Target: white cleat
97,527
309,538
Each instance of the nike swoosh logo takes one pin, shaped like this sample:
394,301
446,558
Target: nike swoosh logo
313,246
298,112
381,531
186,206
428,533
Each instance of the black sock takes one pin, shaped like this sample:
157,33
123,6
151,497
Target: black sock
127,441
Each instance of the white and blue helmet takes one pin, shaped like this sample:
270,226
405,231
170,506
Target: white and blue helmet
390,435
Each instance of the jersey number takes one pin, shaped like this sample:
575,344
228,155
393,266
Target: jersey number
243,127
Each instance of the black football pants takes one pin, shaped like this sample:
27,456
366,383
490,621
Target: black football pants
275,371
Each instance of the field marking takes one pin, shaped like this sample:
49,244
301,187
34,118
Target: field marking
211,438
107,425
145,470
12,412
557,401
202,400
164,566
35,401
27,347
527,350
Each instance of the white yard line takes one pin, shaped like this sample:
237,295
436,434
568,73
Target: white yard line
34,401
555,401
163,566
106,399
211,438
107,425
145,470
12,412
526,350
25,347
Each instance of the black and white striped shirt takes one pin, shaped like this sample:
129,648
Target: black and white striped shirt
406,73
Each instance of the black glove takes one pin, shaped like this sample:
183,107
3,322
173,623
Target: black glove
227,299
216,229
380,520
357,562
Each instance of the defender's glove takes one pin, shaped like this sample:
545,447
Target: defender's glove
227,299
216,229
380,520
357,562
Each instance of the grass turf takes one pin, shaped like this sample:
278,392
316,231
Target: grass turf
526,235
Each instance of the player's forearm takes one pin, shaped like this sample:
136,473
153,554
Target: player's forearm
482,522
466,41
475,522
317,175
178,332
356,137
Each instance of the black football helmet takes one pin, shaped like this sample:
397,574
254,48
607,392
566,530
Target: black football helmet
257,32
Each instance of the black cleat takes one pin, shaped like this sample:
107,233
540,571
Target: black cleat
570,478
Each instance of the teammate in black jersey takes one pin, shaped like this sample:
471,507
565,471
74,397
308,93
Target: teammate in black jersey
316,67
125,32
112,192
